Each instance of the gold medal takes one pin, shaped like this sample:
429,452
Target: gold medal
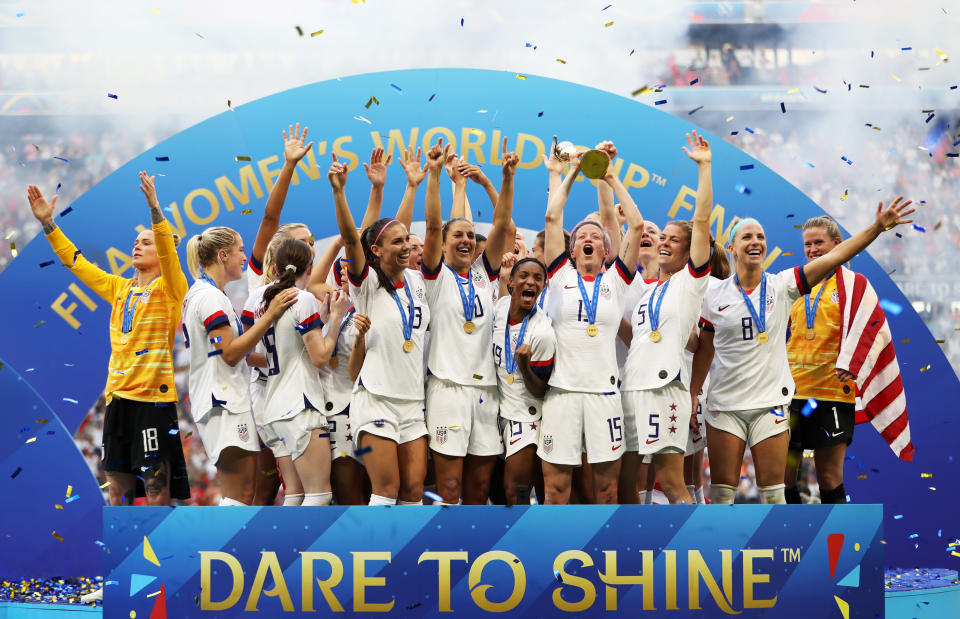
592,330
408,346
510,379
334,362
469,327
762,338
654,336
124,339
810,334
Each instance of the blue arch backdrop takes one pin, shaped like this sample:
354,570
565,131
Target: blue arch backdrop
54,330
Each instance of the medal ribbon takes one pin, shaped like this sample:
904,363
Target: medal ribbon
343,323
406,320
811,311
590,306
466,298
509,355
761,319
655,307
128,311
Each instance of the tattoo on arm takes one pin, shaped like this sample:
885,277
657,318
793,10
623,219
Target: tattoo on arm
156,215
48,226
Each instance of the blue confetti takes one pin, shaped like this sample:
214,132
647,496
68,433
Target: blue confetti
820,90
633,50
748,129
433,496
62,159
46,264
660,102
325,435
919,228
954,87
71,400
951,154
849,162
734,132
66,210
810,164
695,81
17,472
111,95
72,499
899,236
397,88
913,536
929,118
71,208
431,97
783,108
556,574
540,115
809,407
748,166
778,412
143,352
461,22
694,110
162,158
742,188
891,307
173,431
905,49
606,7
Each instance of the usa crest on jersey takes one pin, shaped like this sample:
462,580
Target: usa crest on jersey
548,443
441,435
242,432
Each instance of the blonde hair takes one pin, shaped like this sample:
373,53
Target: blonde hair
827,223
203,249
283,233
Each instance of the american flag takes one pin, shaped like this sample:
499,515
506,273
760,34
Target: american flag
866,351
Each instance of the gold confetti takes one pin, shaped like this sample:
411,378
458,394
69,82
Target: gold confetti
58,506
729,119
861,476
905,340
358,1
798,227
30,440
521,77
371,100
844,196
932,488
608,24
246,211
13,250
313,34
922,147
893,76
943,56
939,341
242,158
104,485
876,128
39,324
157,12
787,253
9,235
69,491
926,475
561,61
955,553
925,368
481,111
155,593
641,91
790,92
299,30
43,421
476,132
58,536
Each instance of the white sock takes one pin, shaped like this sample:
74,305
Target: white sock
692,491
420,502
642,500
319,498
376,499
773,495
721,494
293,499
231,502
700,499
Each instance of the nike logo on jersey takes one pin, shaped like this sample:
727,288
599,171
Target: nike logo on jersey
697,440
649,442
569,287
616,448
514,441
836,434
779,421
722,307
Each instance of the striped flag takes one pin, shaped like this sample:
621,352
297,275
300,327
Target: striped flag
866,351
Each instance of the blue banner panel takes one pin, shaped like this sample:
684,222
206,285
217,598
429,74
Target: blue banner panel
694,561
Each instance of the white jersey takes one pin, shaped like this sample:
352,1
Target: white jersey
387,370
456,355
654,364
335,378
293,383
212,382
253,274
634,291
585,363
749,375
252,311
516,403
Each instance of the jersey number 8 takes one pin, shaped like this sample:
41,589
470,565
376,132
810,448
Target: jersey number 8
270,343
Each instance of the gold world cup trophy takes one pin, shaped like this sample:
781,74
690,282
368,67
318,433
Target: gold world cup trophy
593,163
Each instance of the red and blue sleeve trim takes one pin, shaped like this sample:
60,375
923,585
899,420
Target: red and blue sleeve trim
247,318
429,273
556,264
706,325
256,265
542,368
623,270
363,275
215,320
802,284
312,322
700,271
491,273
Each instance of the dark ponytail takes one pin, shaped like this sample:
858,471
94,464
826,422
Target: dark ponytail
370,237
292,260
719,265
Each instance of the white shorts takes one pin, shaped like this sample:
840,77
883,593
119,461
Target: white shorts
519,434
221,429
696,441
290,435
663,417
574,422
752,426
462,419
630,438
400,421
258,400
341,436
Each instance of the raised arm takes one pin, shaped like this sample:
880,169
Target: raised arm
608,212
887,218
320,346
699,152
553,242
101,282
235,349
173,277
377,173
702,359
474,173
630,248
433,240
293,151
415,175
459,207
503,213
348,230
322,268
359,352
554,168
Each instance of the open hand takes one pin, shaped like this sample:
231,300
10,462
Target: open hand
149,189
699,149
453,165
42,210
890,217
377,168
552,162
280,303
293,148
337,175
411,166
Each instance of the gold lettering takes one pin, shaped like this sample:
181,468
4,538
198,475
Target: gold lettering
697,568
750,579
628,181
119,261
522,140
495,141
326,586
310,167
610,577
269,175
478,591
681,201
771,257
448,137
212,199
269,563
395,137
361,581
589,591
670,570
443,560
343,153
248,179
67,312
206,558
467,145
